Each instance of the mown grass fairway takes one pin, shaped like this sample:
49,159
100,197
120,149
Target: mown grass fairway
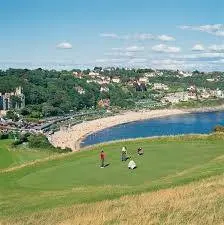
77,178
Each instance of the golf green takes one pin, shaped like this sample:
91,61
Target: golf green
77,177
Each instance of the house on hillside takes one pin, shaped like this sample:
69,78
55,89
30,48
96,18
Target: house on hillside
184,74
160,86
116,80
77,75
104,103
210,79
176,97
143,80
217,93
89,81
94,74
80,90
191,88
152,74
106,80
104,88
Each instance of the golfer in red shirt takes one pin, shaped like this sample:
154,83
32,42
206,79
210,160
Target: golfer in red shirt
102,158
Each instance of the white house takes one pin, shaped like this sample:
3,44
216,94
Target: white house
104,88
210,79
116,80
143,80
205,95
106,80
153,74
93,74
77,75
191,88
176,97
219,93
185,74
80,90
90,81
160,86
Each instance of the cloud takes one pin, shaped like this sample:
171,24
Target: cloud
169,64
214,29
135,48
206,55
101,60
216,48
166,38
126,52
109,61
64,45
120,54
117,49
138,36
167,61
161,48
137,60
115,36
174,64
198,48
109,35
143,36
205,60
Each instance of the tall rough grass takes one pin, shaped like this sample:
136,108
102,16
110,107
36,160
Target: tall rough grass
195,204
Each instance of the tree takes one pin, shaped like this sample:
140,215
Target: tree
15,101
12,115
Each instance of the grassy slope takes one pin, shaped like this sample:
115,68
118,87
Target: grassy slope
10,157
193,204
77,178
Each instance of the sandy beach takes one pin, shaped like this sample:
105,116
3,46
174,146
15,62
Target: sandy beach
72,137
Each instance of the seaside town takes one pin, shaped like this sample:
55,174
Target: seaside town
140,89
100,98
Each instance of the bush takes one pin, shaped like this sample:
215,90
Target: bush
17,142
218,128
60,150
21,138
4,135
12,115
39,141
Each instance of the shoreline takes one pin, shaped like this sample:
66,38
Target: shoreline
72,137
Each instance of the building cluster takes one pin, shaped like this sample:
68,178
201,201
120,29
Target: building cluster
101,79
12,100
143,84
192,93
160,87
181,73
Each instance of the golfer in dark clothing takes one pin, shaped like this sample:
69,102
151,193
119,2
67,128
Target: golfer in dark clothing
102,158
140,151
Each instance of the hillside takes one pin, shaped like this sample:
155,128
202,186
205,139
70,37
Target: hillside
11,157
197,203
63,190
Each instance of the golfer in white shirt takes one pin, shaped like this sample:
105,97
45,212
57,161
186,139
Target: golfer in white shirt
132,165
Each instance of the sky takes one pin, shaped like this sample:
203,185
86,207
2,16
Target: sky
68,34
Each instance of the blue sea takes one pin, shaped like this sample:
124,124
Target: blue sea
195,123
